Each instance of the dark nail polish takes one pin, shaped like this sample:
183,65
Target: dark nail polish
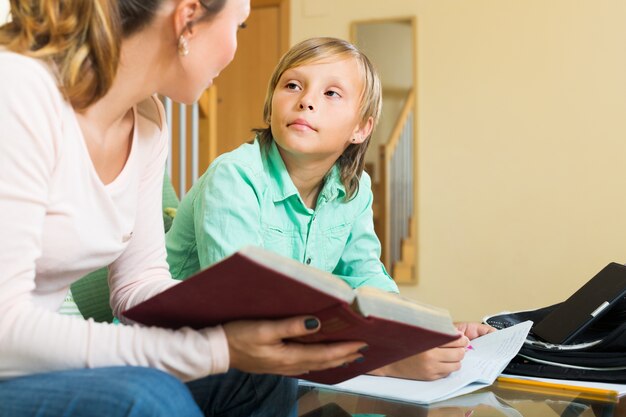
359,360
311,324
364,349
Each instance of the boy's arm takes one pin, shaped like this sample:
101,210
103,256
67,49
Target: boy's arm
360,261
227,212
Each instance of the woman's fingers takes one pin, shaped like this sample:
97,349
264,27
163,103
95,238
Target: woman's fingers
316,357
265,347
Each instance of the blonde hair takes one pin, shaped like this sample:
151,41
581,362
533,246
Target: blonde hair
81,39
352,161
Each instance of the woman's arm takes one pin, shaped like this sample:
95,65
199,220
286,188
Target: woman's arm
33,337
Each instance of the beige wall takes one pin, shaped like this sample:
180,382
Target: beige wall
374,39
522,143
4,10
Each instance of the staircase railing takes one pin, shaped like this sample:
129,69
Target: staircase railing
396,184
197,125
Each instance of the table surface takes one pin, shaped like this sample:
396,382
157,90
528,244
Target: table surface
497,400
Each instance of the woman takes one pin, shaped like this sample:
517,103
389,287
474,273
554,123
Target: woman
82,152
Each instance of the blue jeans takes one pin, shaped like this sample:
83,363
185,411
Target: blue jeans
135,391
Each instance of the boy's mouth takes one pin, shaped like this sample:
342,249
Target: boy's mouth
301,124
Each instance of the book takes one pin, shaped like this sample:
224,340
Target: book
255,283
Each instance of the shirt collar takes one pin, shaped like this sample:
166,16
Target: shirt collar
283,187
280,181
333,187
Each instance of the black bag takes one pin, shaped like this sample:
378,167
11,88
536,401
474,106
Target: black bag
597,354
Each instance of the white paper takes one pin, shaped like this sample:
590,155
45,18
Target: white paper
480,368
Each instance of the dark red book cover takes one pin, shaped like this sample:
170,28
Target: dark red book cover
256,284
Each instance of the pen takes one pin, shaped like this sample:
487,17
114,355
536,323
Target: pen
557,388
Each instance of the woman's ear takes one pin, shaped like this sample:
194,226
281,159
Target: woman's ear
362,131
185,14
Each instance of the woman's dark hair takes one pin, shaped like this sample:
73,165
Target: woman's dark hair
81,38
135,14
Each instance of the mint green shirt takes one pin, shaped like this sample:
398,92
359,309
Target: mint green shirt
247,197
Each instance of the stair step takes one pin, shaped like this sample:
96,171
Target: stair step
403,273
408,251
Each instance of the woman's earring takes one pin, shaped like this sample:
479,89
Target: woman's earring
183,46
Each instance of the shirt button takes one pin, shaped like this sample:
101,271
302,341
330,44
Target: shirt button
308,261
126,237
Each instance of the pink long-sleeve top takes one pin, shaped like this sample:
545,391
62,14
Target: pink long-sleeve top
58,222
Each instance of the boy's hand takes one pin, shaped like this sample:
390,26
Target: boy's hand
429,365
438,362
474,330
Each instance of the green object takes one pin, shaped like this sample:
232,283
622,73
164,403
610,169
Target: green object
91,295
91,292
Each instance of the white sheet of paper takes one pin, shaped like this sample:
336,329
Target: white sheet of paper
480,367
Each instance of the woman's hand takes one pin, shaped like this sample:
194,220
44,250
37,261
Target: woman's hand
260,347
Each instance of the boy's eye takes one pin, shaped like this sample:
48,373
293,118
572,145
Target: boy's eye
292,86
332,93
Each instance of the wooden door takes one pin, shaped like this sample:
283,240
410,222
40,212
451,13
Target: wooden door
242,86
234,104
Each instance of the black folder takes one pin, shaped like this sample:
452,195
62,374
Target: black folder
585,306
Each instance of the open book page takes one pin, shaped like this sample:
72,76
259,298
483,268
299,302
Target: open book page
313,277
378,303
480,367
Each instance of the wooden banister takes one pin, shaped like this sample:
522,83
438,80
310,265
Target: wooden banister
386,154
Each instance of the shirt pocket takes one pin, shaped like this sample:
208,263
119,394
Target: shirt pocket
333,243
281,240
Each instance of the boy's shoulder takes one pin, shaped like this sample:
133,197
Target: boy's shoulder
365,188
247,154
246,159
363,196
365,180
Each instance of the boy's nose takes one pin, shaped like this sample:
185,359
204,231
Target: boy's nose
306,105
